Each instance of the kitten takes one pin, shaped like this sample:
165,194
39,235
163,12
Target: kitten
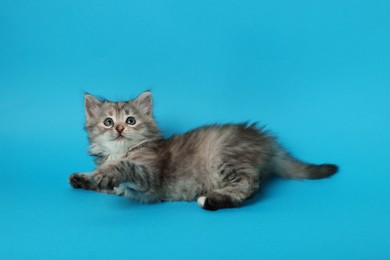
219,165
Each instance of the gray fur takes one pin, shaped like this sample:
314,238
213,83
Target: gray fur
223,165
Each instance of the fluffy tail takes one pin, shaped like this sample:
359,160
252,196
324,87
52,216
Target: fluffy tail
287,166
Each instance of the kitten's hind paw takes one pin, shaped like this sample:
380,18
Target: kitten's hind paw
80,181
214,201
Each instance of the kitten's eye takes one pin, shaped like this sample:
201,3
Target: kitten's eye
130,120
108,122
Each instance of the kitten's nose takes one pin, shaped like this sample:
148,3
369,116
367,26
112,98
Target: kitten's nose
120,128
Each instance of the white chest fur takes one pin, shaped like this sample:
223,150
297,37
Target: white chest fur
113,150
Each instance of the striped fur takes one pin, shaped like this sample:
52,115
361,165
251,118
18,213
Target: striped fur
220,165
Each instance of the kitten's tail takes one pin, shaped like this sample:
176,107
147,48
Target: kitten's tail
285,165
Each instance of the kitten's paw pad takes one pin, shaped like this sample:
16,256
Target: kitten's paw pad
79,181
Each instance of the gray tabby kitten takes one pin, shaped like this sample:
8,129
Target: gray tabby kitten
219,165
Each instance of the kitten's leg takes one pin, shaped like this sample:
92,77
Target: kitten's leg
93,181
239,187
130,179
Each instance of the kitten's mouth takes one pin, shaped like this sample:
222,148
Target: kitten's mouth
120,137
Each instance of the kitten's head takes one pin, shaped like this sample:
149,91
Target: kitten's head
114,127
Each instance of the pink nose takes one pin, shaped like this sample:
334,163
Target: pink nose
120,128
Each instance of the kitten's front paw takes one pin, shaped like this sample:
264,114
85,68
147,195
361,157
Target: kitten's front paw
106,181
80,181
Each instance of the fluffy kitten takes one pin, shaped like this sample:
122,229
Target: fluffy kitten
219,165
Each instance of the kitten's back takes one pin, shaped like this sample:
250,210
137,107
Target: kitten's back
244,144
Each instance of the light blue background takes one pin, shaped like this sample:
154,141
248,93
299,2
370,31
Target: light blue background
316,72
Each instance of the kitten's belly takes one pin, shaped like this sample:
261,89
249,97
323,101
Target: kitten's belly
187,186
181,191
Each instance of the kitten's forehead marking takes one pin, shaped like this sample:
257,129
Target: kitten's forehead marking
119,109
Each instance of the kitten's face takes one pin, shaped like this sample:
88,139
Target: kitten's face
116,126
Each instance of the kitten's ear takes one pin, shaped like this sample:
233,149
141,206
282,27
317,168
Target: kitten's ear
144,103
92,106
